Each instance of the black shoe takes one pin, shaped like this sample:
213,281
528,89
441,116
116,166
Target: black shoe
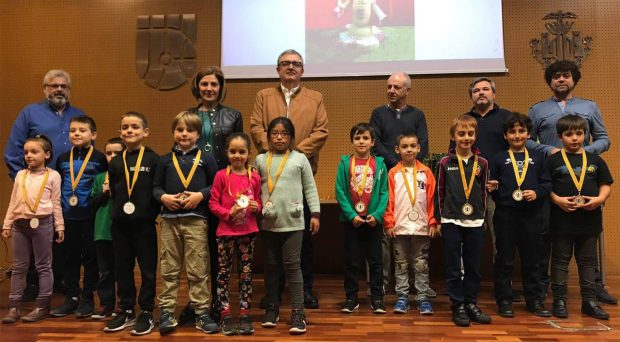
272,316
122,320
245,325
504,309
206,324
537,308
85,309
350,304
228,326
68,307
459,316
516,296
559,309
188,315
592,309
310,301
298,322
603,296
144,324
377,306
476,315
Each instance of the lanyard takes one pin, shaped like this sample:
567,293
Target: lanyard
33,208
76,180
584,164
136,171
520,178
187,180
412,194
360,189
228,170
272,184
467,188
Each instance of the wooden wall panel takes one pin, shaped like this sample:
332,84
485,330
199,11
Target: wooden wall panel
95,42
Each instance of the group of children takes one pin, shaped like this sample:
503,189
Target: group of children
104,206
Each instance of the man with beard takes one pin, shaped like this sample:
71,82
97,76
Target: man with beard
50,117
389,121
306,109
562,77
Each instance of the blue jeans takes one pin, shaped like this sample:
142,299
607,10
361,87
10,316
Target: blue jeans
467,243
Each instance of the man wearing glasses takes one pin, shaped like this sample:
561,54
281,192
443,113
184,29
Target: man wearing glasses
306,110
50,117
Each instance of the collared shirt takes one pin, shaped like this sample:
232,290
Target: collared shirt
287,95
545,115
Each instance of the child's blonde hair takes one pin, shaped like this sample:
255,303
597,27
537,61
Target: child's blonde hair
464,120
191,120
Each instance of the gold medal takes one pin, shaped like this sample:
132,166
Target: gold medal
243,201
467,209
517,195
413,214
129,208
360,207
33,207
579,200
73,200
268,204
582,177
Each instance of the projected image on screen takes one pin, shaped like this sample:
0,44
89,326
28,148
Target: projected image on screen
359,31
363,37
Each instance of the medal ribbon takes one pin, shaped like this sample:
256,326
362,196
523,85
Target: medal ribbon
415,180
272,184
75,181
360,189
187,180
466,188
228,169
34,207
136,171
520,178
584,165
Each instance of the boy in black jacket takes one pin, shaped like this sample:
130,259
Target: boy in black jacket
133,225
520,183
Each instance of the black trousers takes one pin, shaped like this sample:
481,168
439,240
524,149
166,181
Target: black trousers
522,230
107,275
80,250
584,247
135,240
363,241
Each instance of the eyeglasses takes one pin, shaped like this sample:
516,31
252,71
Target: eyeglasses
56,86
282,134
295,64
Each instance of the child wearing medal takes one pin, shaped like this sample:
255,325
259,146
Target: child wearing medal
361,191
78,169
519,183
235,200
134,210
462,197
101,204
410,221
286,178
581,185
33,214
182,184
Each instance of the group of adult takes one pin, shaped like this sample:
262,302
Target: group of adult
306,109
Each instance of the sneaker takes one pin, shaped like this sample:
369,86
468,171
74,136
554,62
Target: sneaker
167,322
377,306
350,304
272,316
228,326
401,306
245,325
68,307
122,320
85,308
205,323
102,313
144,323
298,322
425,307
